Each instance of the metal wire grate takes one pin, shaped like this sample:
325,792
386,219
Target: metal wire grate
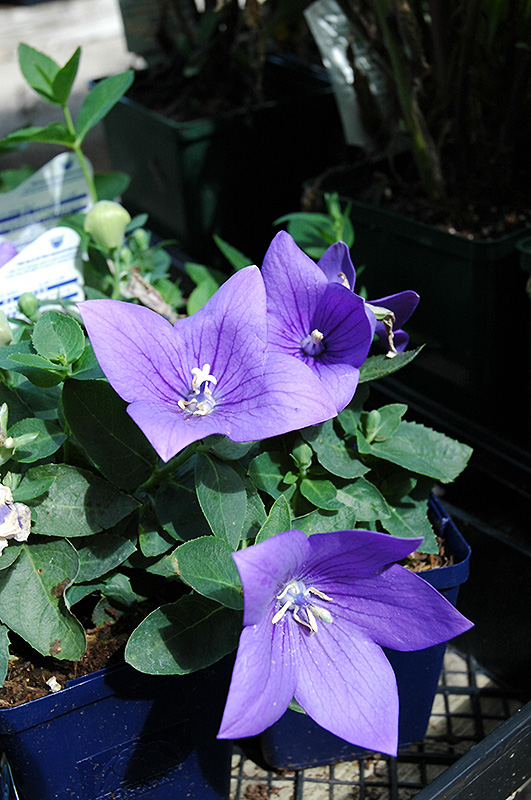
467,707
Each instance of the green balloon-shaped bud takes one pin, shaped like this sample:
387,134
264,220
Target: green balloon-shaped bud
106,223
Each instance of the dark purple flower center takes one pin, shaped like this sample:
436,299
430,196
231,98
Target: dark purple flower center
298,599
200,400
313,344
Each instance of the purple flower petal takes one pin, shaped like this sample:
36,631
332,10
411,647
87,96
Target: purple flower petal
317,613
261,688
322,324
336,264
261,576
402,611
347,685
210,373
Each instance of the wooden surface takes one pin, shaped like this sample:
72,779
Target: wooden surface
57,27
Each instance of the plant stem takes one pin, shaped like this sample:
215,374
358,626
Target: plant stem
170,466
76,147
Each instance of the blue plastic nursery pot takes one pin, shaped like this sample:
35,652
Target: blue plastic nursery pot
297,742
117,734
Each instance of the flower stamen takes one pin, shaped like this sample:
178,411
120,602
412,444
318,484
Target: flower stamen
297,600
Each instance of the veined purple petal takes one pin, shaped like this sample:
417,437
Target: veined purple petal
263,681
317,613
399,609
323,324
247,394
346,684
337,265
263,571
348,556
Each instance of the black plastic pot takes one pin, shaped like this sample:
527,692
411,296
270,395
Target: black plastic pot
231,175
118,733
297,742
473,315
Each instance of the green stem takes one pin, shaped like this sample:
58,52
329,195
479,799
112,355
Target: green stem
76,147
159,474
116,294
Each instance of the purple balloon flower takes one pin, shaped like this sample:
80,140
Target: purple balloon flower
210,373
336,264
322,324
318,611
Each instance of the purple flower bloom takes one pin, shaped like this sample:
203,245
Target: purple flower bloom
318,611
336,264
322,324
209,373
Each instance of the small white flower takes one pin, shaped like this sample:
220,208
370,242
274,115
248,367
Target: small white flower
15,519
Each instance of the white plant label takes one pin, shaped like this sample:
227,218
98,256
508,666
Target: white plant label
39,203
50,268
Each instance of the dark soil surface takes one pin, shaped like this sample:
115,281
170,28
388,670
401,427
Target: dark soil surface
471,211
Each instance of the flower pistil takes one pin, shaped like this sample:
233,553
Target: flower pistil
313,345
200,400
298,598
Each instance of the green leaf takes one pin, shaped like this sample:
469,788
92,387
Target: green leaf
380,424
421,450
332,452
4,653
117,587
99,101
222,497
18,407
99,421
65,77
39,71
38,370
379,366
364,499
278,520
206,564
100,554
78,503
235,257
110,185
256,513
183,637
86,368
409,519
54,133
29,489
49,439
32,599
322,494
267,472
200,295
228,450
10,553
58,338
178,510
321,521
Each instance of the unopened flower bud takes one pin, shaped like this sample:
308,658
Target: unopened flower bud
6,335
15,519
106,223
141,238
28,305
